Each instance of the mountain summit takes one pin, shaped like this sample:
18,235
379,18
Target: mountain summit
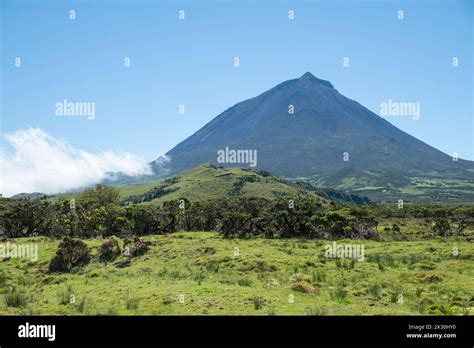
310,78
304,128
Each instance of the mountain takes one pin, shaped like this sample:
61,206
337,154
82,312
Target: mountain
31,196
329,140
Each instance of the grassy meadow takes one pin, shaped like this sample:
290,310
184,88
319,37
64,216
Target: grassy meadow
201,273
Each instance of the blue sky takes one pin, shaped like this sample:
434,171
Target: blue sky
190,62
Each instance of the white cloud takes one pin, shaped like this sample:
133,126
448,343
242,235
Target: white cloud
42,163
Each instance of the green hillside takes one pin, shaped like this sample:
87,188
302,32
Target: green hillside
350,185
392,185
208,181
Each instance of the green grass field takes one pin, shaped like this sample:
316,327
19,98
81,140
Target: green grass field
200,273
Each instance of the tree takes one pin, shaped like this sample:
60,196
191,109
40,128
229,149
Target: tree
234,224
442,226
462,217
98,196
24,217
335,223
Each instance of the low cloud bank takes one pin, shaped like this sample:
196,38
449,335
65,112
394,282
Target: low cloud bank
38,162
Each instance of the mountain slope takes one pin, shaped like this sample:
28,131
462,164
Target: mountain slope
208,181
329,140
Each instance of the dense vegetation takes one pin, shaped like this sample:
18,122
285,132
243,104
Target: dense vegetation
97,212
261,254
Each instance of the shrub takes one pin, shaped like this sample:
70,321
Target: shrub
65,295
426,265
109,250
258,302
318,277
134,248
304,287
257,266
374,289
23,217
167,300
3,279
209,251
234,223
15,297
430,278
439,309
98,196
352,264
123,264
176,275
380,265
97,212
272,312
131,303
442,227
418,292
339,294
82,305
244,282
213,266
394,295
71,254
199,277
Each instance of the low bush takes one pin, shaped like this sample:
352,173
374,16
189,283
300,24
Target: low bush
15,297
258,302
135,248
305,287
71,255
109,250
